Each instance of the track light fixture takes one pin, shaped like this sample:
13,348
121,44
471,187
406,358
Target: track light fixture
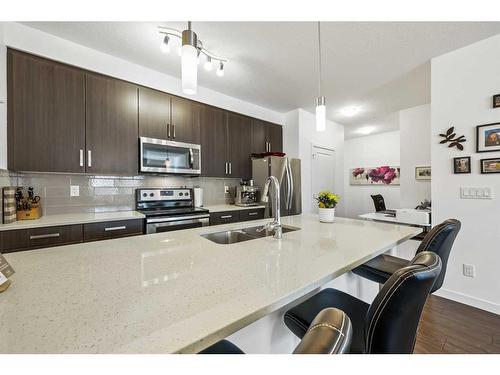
190,52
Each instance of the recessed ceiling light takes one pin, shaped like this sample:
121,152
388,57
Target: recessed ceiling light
365,130
350,111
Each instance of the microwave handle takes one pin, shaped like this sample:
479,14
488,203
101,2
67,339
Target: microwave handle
191,158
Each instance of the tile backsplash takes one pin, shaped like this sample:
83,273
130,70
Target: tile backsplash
108,193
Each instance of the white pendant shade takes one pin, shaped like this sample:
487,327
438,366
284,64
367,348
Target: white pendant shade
189,69
321,117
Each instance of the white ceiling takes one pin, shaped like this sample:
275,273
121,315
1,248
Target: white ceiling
381,67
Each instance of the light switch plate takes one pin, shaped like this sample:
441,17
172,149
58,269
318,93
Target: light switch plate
476,193
469,270
74,191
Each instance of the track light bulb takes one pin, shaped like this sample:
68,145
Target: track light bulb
165,46
220,70
208,64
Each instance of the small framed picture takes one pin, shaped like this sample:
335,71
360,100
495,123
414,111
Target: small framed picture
461,165
490,165
496,101
422,173
488,137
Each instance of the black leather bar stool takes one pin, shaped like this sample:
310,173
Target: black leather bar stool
329,333
389,324
439,240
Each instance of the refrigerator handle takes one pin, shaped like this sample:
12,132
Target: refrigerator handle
290,185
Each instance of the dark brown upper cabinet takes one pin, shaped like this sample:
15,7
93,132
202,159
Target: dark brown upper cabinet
46,115
154,113
266,136
239,146
185,121
164,116
214,153
275,137
111,126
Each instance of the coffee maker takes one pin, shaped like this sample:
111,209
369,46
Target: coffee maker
247,194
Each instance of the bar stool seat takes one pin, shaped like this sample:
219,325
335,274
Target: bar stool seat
380,268
222,347
299,318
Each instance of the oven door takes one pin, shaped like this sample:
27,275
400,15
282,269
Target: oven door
159,225
162,156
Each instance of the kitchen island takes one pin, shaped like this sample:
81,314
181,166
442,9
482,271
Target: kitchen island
176,291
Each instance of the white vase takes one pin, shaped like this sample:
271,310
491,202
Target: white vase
326,215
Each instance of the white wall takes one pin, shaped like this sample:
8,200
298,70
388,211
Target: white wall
291,133
370,151
463,82
299,136
3,100
415,146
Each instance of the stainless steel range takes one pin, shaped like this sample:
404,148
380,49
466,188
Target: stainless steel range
170,209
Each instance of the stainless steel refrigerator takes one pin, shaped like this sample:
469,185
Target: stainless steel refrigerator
287,171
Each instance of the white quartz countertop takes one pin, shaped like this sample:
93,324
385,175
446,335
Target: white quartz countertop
174,291
390,219
230,207
70,219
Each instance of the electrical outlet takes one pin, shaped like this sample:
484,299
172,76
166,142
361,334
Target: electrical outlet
226,189
74,191
469,270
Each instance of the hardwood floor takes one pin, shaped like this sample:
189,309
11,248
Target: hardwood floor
451,327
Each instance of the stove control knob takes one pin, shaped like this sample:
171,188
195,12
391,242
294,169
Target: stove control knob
181,194
144,195
151,195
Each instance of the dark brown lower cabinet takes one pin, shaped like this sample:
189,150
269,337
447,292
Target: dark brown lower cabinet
28,239
36,238
112,229
253,214
227,217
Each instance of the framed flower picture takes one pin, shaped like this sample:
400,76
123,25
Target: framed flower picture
488,137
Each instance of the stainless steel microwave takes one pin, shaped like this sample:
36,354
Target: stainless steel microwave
162,156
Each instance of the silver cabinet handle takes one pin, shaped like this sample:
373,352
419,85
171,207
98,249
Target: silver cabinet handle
81,158
230,168
40,236
108,229
226,216
173,131
252,213
269,146
168,130
226,167
89,158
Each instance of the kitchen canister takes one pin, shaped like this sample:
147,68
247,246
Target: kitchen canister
198,196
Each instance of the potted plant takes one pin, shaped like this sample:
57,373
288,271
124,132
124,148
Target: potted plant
326,203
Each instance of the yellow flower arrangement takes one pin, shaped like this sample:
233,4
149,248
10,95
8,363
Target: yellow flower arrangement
327,199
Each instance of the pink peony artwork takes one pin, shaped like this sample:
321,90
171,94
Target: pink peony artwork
383,175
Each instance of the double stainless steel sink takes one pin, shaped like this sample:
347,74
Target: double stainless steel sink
245,234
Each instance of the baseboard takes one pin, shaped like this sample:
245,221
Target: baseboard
469,300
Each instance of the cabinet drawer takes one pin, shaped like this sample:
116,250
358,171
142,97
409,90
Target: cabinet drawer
253,214
225,217
112,229
54,236
14,240
35,238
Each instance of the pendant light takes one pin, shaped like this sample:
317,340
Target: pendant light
189,61
320,100
190,52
